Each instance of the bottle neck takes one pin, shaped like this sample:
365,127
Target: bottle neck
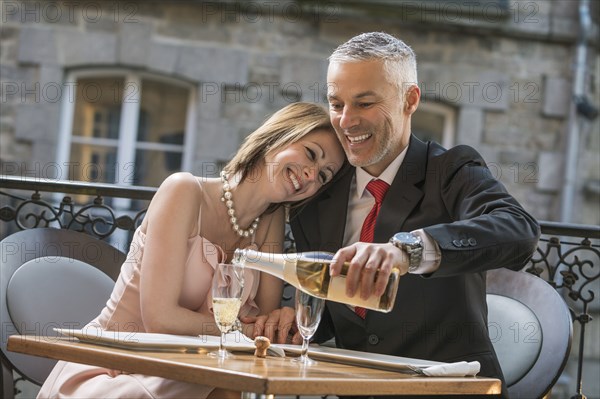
282,266
264,261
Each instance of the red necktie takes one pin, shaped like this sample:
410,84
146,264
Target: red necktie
378,188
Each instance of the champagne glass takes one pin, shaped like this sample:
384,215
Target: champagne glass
227,285
308,316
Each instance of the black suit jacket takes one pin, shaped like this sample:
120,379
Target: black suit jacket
478,226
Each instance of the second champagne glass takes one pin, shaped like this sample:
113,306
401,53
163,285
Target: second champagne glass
227,286
308,316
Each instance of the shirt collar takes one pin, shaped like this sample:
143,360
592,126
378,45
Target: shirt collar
363,177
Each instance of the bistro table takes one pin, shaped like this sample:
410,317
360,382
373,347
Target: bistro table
254,377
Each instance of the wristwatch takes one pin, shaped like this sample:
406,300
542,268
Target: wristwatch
413,245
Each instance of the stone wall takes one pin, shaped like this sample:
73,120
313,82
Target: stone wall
508,75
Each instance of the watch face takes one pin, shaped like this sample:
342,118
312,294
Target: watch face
407,238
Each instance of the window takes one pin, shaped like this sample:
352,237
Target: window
125,128
435,122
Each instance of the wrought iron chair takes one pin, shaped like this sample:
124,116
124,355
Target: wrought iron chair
50,278
531,329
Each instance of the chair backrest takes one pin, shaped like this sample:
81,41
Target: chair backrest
51,278
531,329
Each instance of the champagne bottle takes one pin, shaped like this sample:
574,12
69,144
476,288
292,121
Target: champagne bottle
309,271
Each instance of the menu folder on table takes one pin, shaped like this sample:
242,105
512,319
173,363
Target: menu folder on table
163,342
239,342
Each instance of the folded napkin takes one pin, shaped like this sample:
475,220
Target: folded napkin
387,362
458,369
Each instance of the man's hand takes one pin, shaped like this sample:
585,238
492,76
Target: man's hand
277,326
370,266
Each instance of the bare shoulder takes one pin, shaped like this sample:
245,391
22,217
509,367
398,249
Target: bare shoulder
183,183
178,196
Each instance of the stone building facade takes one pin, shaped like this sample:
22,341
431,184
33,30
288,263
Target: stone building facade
499,73
496,75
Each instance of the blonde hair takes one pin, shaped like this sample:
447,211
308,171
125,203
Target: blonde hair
283,128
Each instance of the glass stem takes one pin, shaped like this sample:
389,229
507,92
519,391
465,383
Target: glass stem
221,346
304,348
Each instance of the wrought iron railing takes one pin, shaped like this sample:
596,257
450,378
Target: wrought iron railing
568,256
95,217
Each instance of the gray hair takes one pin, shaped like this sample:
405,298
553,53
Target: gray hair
399,61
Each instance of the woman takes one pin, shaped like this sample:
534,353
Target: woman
191,225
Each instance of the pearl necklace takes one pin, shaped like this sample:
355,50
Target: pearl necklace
227,198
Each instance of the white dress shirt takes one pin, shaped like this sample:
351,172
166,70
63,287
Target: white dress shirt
360,203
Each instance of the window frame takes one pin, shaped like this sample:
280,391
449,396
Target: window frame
449,115
126,143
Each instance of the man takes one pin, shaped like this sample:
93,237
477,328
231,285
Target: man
448,220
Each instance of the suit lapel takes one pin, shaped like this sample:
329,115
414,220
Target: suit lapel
323,222
403,195
327,232
332,211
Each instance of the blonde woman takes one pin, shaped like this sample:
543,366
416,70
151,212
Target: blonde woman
164,284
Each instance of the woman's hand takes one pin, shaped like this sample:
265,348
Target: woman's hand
279,326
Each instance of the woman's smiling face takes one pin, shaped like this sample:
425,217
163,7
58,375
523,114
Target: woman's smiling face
299,170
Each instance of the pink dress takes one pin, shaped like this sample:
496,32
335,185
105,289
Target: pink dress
122,312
